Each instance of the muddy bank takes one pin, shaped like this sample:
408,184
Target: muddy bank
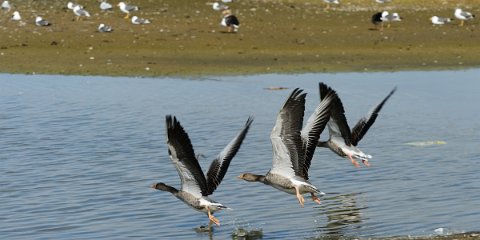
275,36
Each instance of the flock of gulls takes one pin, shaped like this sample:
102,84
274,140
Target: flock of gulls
229,20
294,145
80,12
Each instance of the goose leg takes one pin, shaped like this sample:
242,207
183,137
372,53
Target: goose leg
353,161
300,198
366,163
315,198
212,218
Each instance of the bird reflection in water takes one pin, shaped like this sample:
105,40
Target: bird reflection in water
344,214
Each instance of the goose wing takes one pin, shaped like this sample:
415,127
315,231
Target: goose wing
362,126
337,125
220,164
285,136
183,157
315,125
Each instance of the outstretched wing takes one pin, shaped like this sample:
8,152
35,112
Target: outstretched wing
338,125
183,157
365,123
219,166
285,136
315,125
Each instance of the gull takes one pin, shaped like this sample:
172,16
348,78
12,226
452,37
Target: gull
71,5
127,8
136,20
328,2
440,20
230,21
16,16
104,5
342,140
382,1
379,18
463,16
80,12
104,28
6,6
293,147
196,186
39,21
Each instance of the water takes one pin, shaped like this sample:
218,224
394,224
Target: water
78,155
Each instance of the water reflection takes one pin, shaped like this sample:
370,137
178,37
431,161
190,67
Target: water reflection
343,212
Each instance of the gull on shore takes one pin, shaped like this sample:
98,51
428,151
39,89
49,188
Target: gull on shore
6,6
328,2
463,15
382,1
80,12
71,5
127,8
39,21
104,5
104,28
440,20
138,21
16,16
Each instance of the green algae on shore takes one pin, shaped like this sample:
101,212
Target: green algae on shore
282,36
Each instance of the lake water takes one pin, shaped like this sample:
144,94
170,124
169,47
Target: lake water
78,154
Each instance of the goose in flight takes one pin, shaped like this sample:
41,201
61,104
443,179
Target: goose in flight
344,141
293,147
196,187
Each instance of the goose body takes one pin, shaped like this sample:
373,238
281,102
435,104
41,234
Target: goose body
293,147
196,187
342,140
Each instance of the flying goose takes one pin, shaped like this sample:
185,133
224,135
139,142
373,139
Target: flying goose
293,147
344,141
196,187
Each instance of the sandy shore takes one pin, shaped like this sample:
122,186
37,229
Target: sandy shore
282,36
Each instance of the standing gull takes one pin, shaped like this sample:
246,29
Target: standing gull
80,12
344,141
196,187
463,15
293,147
127,8
230,21
379,18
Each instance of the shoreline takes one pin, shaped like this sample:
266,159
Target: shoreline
289,37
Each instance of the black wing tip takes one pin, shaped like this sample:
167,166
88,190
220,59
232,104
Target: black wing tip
171,121
249,121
